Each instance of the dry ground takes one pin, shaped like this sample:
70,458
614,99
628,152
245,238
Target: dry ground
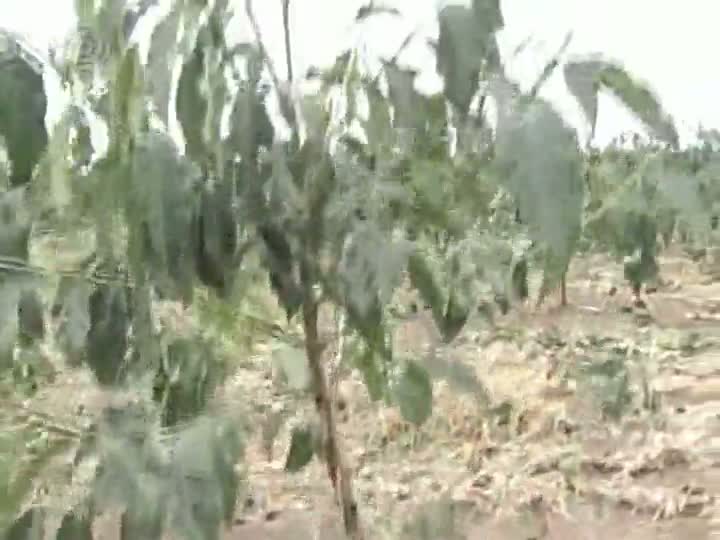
530,455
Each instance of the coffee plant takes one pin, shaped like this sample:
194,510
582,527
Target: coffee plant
378,187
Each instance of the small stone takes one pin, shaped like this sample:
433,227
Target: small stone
402,493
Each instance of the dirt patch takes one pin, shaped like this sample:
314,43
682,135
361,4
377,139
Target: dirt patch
532,452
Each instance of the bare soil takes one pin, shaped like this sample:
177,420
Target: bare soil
529,453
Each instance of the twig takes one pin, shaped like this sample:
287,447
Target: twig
286,28
339,473
550,67
398,52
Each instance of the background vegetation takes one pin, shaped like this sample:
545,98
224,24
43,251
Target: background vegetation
150,275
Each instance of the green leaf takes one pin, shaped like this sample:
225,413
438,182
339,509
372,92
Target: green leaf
434,519
217,255
127,101
489,15
372,266
141,522
31,320
460,52
29,526
217,94
539,156
585,77
161,59
9,297
378,124
412,390
336,73
368,362
72,304
456,315
281,269
682,194
23,105
191,106
250,124
15,227
293,364
85,10
301,449
107,339
459,375
206,486
422,278
406,101
189,374
164,208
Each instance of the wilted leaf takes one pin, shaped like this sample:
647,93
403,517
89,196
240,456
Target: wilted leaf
412,390
585,78
301,449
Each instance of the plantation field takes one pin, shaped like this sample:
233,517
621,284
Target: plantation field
267,289
533,457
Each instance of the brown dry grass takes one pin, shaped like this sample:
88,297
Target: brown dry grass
532,456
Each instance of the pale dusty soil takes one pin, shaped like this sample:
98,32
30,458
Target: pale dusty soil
525,452
553,468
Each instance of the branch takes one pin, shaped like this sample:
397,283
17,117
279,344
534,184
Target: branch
550,67
340,475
